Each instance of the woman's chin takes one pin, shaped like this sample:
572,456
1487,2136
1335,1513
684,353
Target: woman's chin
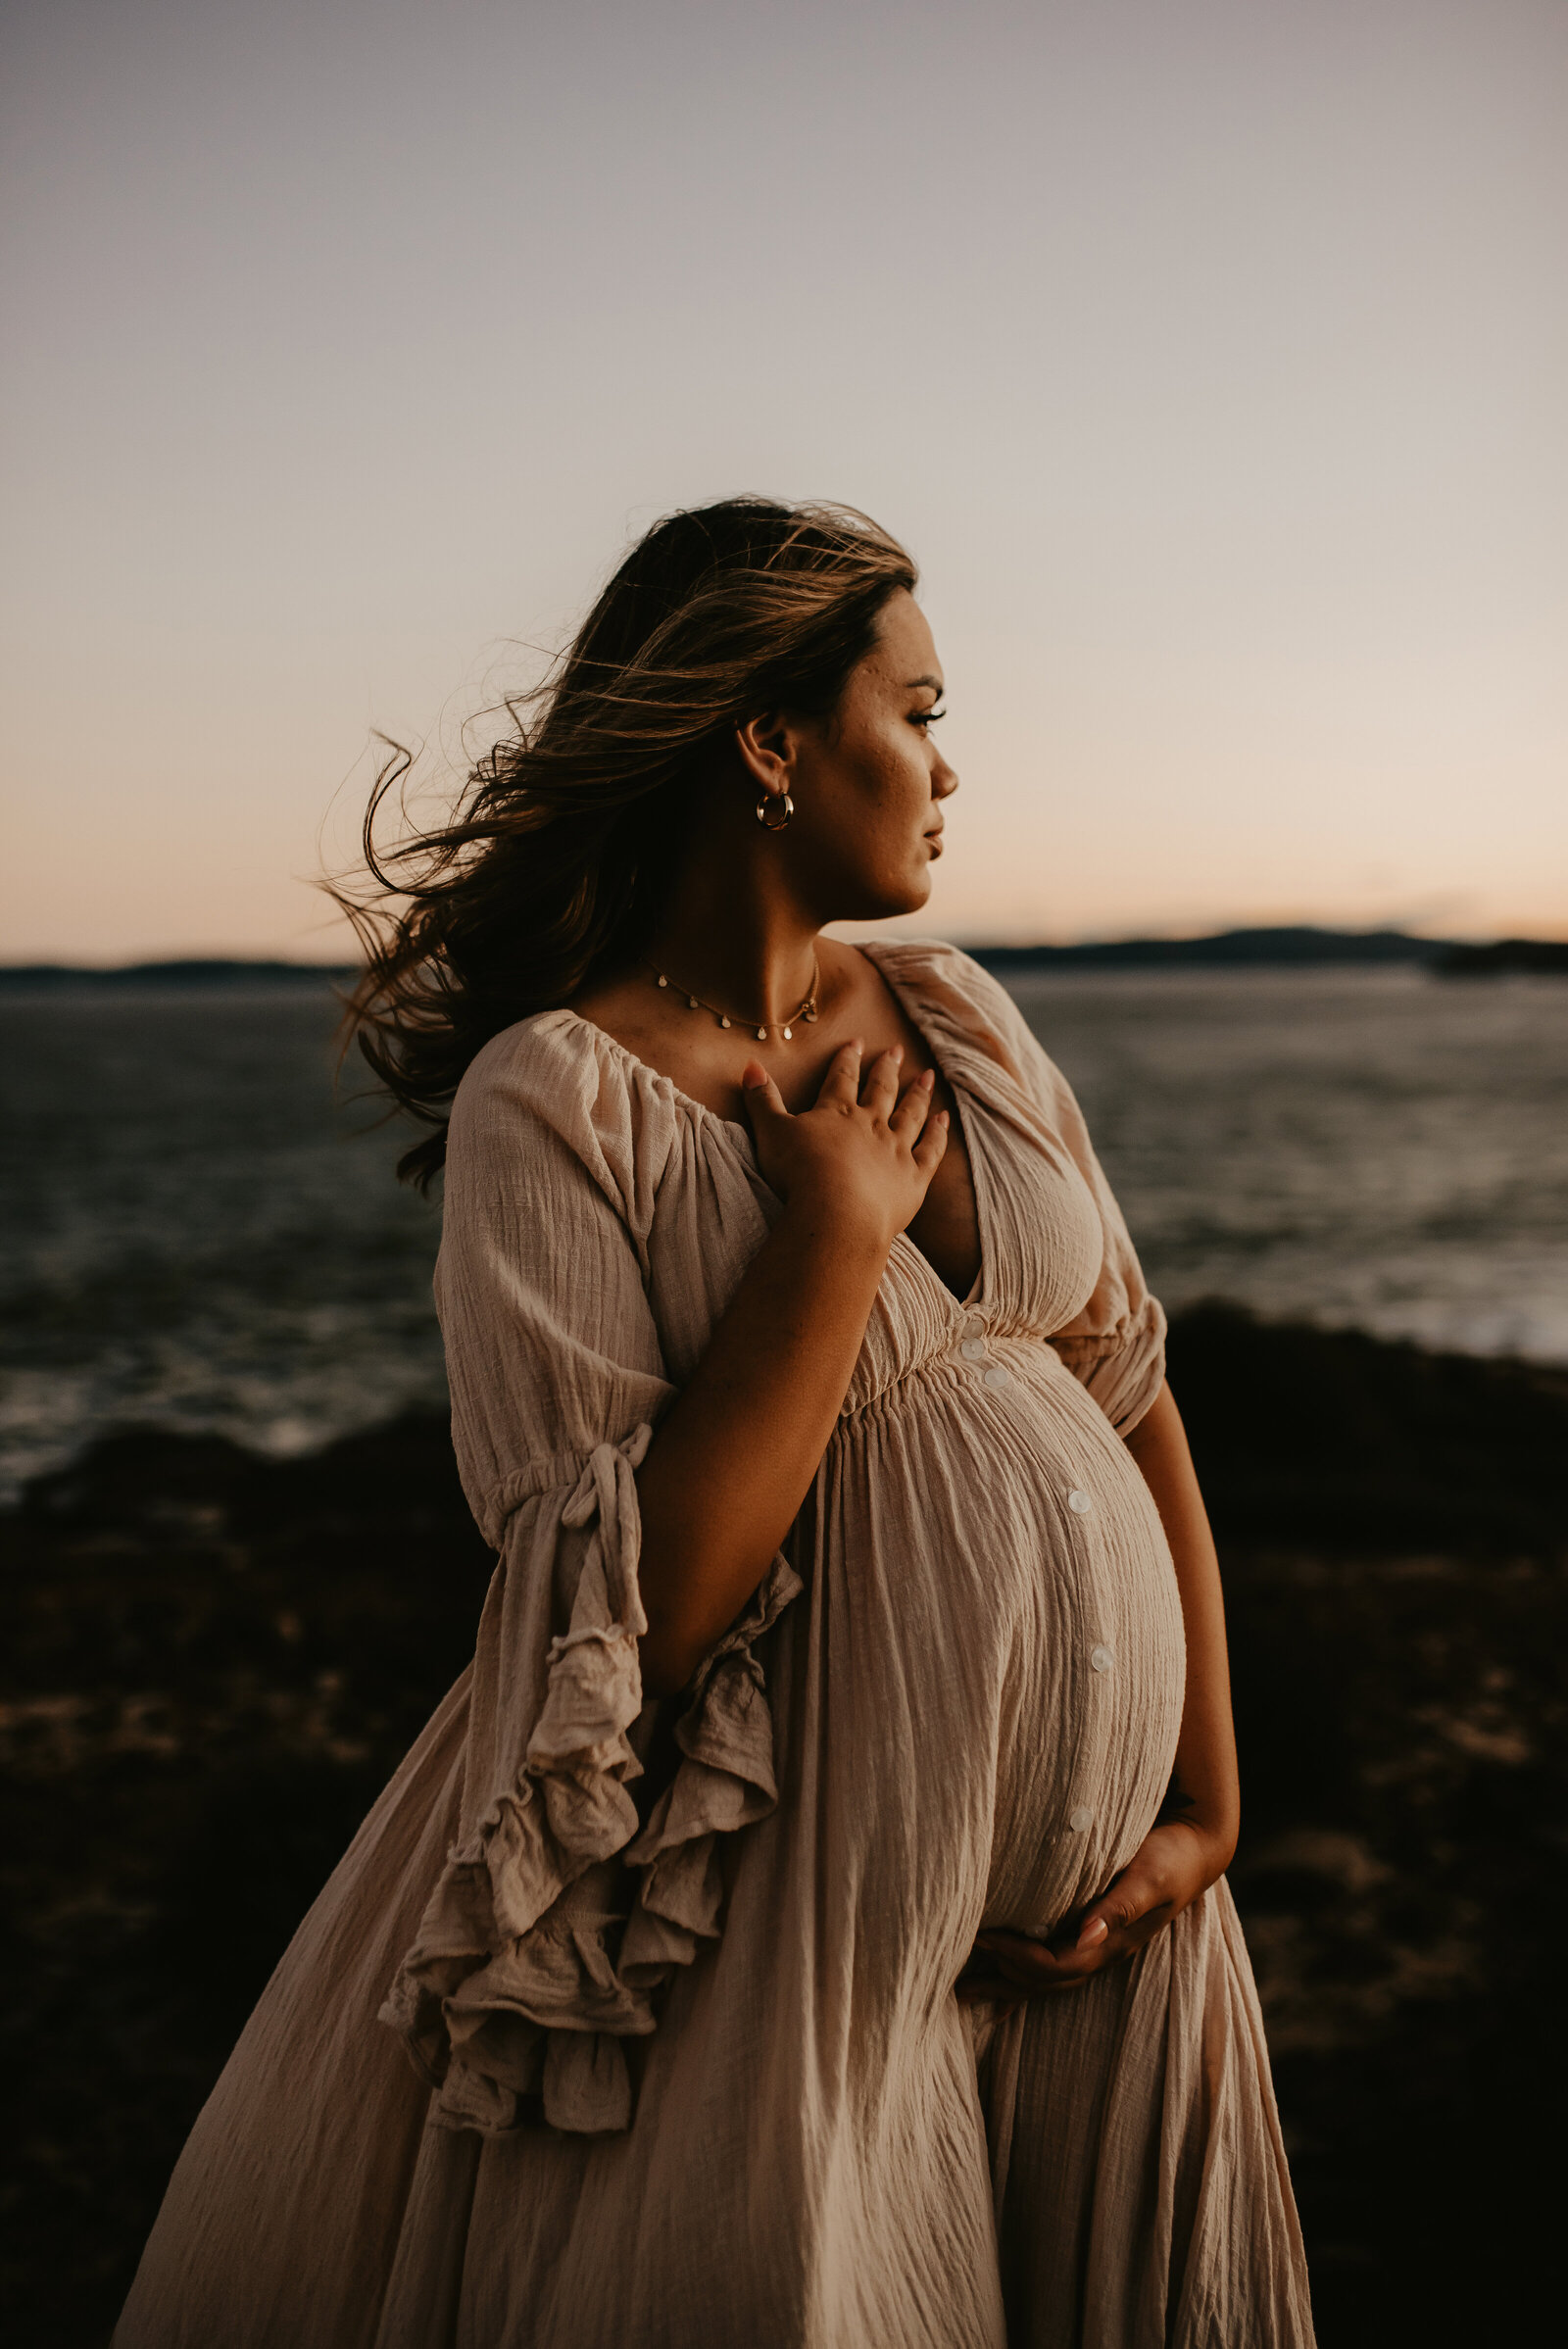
886,897
914,888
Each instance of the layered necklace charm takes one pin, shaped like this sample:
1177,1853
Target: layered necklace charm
806,1010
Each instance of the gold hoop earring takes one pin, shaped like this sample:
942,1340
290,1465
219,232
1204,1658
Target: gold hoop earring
774,809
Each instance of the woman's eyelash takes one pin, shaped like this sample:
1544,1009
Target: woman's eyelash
928,718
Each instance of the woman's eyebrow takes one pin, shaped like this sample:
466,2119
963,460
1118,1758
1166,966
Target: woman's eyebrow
935,683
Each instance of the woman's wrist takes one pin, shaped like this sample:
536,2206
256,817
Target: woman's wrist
830,1217
1211,1816
1211,1839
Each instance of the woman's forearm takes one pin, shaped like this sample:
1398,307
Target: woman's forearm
1205,1789
734,1456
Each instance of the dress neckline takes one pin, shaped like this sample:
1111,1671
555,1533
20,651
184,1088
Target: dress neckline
873,950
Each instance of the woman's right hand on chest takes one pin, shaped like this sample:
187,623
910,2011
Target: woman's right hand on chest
863,1154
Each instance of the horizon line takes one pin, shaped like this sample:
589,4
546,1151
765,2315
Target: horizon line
1385,932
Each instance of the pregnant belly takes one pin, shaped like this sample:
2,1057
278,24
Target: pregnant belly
995,1642
1095,1672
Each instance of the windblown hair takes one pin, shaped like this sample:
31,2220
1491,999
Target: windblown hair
565,833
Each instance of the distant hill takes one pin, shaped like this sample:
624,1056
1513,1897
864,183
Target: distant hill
66,976
1540,956
1300,948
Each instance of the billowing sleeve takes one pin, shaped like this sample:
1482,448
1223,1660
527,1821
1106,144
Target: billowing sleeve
1115,1344
561,1910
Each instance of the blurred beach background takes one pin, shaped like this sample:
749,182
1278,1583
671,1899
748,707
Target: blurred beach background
204,1230
1212,361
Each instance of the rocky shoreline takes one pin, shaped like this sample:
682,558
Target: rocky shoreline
213,1662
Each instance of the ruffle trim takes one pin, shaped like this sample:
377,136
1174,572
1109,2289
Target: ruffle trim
527,1971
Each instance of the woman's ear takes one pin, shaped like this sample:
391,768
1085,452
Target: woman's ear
766,745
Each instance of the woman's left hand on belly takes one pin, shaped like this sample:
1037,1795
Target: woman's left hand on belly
1171,1868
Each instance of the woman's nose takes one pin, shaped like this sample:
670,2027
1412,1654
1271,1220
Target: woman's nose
943,782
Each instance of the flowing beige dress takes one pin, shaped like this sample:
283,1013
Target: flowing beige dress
677,1981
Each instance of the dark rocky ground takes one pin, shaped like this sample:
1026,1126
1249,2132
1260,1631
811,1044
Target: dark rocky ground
212,1664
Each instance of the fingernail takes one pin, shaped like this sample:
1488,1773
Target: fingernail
942,1117
927,1078
1092,1933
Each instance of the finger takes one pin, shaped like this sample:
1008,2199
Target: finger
1044,1975
1022,1961
842,1084
1132,1896
914,1107
881,1086
979,1979
761,1095
1038,1970
927,1153
1121,1938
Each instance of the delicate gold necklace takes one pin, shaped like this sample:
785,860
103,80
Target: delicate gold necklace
804,1009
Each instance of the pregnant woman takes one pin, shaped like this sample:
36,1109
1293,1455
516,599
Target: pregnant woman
806,1920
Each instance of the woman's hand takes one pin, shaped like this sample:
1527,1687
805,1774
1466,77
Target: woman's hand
865,1152
1170,1869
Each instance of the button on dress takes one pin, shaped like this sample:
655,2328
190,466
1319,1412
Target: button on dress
635,2024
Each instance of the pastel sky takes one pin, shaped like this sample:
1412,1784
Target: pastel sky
1212,358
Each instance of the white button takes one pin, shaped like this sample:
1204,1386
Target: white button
1081,1822
996,1376
972,1349
1102,1658
974,1325
1079,1504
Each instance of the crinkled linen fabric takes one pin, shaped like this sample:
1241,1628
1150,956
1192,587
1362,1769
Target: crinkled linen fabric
677,1982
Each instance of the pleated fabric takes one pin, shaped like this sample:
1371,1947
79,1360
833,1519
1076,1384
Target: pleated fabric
635,2023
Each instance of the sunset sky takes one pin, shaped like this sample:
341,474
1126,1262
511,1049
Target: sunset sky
1212,358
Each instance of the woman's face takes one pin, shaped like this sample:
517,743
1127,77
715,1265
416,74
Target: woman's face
869,782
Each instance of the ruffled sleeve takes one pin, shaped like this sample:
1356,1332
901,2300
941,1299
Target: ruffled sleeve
561,1912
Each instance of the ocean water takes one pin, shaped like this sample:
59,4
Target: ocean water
196,1232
